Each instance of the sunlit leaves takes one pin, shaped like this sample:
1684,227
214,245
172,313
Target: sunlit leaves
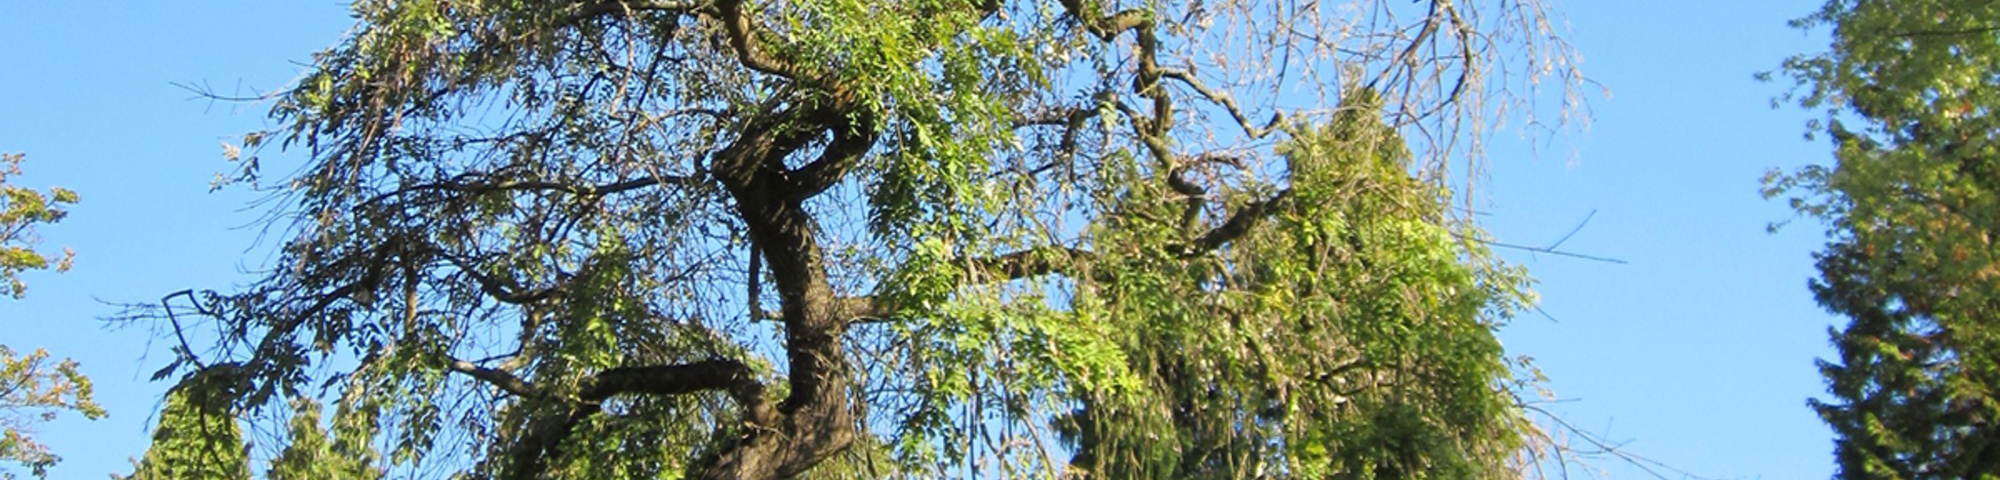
32,390
310,454
505,202
21,210
1910,200
1351,338
197,435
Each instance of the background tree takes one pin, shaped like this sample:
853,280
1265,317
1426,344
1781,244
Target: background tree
32,389
1910,91
21,210
197,435
845,238
310,454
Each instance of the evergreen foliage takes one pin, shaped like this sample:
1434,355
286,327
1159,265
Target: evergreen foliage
197,436
1910,91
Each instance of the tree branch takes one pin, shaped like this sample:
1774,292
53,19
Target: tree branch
1238,224
743,37
730,375
1032,262
1107,28
498,378
851,139
571,188
594,9
540,442
492,287
1227,102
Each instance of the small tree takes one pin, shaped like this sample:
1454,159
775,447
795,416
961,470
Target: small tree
197,436
32,389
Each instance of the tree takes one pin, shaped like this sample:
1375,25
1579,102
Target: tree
21,210
310,455
844,238
32,390
1910,204
197,436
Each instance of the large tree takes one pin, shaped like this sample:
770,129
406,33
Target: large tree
852,238
1912,91
33,387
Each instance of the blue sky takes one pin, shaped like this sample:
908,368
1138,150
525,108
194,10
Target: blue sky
1699,352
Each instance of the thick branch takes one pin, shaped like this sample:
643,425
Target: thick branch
1106,28
459,186
595,9
534,448
816,418
851,139
729,375
1238,224
744,38
858,309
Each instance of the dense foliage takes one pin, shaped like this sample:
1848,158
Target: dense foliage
197,435
863,239
33,388
1913,97
21,210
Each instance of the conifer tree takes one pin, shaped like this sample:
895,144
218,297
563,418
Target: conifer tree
1912,88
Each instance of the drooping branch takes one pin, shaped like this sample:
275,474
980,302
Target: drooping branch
461,185
531,453
498,290
374,269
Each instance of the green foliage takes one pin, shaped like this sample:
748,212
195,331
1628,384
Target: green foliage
1911,201
310,454
21,210
864,239
32,390
1352,338
197,436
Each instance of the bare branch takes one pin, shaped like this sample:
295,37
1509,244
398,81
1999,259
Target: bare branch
499,378
512,185
1227,102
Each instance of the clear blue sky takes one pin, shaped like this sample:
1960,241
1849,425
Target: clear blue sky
1699,352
